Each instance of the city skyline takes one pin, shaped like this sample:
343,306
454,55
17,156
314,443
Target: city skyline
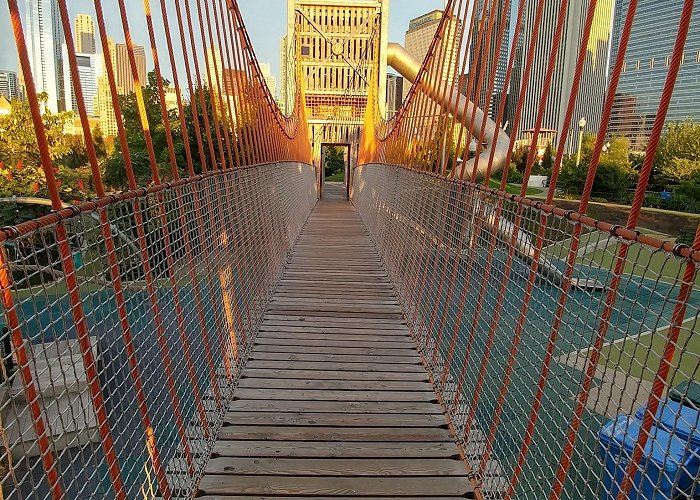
266,30
636,99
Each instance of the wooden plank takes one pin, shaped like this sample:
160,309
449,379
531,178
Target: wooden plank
364,343
335,334
337,467
355,322
336,275
314,486
333,358
328,285
312,326
320,306
335,314
372,351
394,407
326,395
303,284
325,299
369,264
334,497
359,297
346,385
336,328
286,373
349,419
331,449
322,278
335,434
338,367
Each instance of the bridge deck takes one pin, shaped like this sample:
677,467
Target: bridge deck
334,400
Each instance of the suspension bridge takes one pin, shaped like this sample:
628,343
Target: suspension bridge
237,328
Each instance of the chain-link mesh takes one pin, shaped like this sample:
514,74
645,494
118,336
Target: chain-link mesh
511,383
173,340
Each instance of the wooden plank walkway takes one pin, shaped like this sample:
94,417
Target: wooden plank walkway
334,401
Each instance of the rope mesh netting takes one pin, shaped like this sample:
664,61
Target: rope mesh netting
511,381
166,350
563,349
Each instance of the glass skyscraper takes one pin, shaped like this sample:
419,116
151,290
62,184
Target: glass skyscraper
591,92
487,62
44,37
646,66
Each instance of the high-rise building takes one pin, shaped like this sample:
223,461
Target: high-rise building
171,98
483,56
419,37
285,70
44,36
120,63
112,48
221,79
9,86
84,34
108,119
594,80
90,70
213,68
394,94
269,79
338,44
125,78
646,66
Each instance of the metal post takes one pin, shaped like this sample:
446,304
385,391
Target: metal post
581,125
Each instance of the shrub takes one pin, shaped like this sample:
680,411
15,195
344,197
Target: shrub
690,187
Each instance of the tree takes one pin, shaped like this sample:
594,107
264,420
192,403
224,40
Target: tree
132,117
76,156
678,156
30,181
690,187
114,172
618,153
99,141
334,161
679,169
613,175
611,180
18,141
547,161
520,157
21,172
572,178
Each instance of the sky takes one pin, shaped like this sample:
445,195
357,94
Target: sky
266,21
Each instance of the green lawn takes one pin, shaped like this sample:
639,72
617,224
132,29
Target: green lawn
640,260
339,177
640,357
515,188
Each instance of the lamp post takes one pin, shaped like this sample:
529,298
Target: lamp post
581,125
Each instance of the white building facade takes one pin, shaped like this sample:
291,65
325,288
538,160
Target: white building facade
44,38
